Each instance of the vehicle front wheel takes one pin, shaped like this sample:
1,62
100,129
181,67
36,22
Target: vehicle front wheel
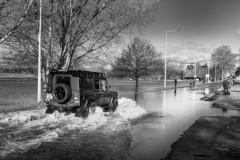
114,104
112,107
92,106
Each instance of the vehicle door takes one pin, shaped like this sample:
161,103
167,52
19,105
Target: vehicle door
97,92
105,92
88,90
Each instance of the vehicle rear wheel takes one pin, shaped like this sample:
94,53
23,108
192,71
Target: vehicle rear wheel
61,93
82,112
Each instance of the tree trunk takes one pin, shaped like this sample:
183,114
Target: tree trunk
66,64
49,55
136,94
222,71
136,78
44,78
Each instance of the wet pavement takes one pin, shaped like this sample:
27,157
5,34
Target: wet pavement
144,129
215,138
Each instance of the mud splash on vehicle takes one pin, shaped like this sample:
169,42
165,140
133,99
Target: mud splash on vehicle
25,130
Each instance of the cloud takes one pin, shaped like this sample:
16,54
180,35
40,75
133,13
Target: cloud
185,53
198,47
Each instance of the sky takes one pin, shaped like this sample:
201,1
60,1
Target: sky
204,25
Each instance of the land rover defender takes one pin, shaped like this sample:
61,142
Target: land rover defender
79,92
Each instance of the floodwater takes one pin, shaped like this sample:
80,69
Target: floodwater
143,127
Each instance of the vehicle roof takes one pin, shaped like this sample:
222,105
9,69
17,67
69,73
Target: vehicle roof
79,73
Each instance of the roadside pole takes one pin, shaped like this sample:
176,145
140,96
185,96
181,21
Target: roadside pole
39,54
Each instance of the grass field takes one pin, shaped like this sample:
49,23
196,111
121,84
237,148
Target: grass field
18,94
17,75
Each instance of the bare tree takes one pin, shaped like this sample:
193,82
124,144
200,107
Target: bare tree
173,72
224,57
139,58
81,29
84,27
12,15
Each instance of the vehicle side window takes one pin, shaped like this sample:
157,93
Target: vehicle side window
81,83
96,83
86,83
104,84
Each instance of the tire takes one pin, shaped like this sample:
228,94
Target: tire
115,104
61,93
112,107
92,106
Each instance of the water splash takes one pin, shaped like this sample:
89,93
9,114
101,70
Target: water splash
24,130
128,109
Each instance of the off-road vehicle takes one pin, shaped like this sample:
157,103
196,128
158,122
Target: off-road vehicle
79,92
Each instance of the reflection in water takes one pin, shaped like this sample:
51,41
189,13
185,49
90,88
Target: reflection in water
164,101
194,102
175,92
224,111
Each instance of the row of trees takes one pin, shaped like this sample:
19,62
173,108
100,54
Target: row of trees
223,63
19,70
139,58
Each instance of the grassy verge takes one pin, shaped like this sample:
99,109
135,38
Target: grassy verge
17,75
19,95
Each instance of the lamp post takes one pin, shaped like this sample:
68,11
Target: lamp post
165,71
39,97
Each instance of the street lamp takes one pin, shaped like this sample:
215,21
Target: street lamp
39,54
165,71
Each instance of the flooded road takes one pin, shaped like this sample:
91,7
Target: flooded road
144,129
